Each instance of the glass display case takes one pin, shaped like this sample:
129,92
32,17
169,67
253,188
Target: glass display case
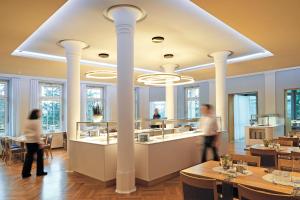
266,120
104,132
144,130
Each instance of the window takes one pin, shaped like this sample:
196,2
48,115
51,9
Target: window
192,102
3,107
160,105
51,104
94,95
293,104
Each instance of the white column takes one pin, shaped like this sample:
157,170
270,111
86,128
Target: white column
220,60
270,93
125,19
73,51
170,68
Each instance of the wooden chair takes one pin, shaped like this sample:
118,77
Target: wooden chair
48,145
295,140
11,151
289,165
198,188
250,160
3,153
268,157
246,193
288,143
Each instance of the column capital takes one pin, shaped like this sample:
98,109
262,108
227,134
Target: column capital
73,46
220,55
124,14
169,67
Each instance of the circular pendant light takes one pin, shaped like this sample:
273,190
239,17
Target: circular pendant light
164,79
101,74
158,78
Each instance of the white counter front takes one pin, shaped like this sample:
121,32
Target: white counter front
154,159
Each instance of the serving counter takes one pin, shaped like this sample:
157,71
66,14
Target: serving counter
160,155
155,159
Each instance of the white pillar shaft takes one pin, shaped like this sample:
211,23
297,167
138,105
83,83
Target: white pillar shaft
170,68
220,60
125,24
73,54
170,101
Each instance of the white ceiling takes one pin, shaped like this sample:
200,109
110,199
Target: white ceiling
190,34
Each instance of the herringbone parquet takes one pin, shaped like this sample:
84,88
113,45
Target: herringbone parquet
59,185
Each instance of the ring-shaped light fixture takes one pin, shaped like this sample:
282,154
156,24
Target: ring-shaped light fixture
164,79
101,74
158,78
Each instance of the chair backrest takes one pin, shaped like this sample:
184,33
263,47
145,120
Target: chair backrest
49,139
295,140
246,158
268,156
289,165
285,142
198,188
246,193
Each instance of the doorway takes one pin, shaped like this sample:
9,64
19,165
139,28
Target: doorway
241,107
292,110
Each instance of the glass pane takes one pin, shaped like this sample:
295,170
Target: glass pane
51,115
3,109
51,90
160,105
192,93
297,104
93,92
3,88
89,108
193,109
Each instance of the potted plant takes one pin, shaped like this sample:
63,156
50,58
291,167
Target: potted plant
97,113
266,142
225,162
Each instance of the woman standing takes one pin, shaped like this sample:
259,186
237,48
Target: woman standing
33,130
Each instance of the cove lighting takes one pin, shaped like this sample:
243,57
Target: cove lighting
31,54
229,61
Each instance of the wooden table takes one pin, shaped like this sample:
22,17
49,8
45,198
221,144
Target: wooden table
255,180
282,149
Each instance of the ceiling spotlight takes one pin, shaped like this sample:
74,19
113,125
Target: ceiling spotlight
158,39
168,55
103,55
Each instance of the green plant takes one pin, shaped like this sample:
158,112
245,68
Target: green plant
266,142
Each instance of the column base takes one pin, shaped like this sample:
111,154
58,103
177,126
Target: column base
125,182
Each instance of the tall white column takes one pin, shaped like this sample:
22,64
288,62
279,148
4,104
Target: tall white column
125,18
170,68
220,60
73,49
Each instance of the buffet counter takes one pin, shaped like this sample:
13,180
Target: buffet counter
155,159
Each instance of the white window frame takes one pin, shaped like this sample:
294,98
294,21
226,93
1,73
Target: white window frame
187,99
95,99
5,97
59,99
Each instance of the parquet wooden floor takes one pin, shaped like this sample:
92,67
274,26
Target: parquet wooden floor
59,185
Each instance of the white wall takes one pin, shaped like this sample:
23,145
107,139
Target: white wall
261,82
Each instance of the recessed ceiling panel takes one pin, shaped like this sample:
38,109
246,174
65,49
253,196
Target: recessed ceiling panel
190,35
